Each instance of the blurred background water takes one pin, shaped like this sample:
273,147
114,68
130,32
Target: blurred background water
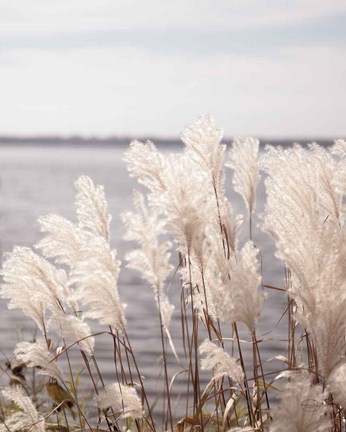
36,181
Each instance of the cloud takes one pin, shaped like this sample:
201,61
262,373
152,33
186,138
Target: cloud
39,17
197,42
122,91
142,68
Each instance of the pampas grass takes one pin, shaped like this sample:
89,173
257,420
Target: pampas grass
72,277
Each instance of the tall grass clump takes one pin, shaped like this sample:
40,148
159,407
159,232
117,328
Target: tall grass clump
71,277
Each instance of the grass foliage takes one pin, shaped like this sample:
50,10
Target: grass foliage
71,276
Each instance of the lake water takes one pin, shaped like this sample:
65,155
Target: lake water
35,181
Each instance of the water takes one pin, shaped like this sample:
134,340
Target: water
36,181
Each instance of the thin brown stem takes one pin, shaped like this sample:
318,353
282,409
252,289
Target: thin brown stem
170,417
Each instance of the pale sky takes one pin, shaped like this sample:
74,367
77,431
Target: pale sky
273,68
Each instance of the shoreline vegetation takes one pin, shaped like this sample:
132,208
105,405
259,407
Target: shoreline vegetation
81,141
71,276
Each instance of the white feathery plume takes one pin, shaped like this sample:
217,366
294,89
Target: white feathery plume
145,222
185,186
35,310
205,156
122,399
64,241
167,310
35,285
183,201
244,162
329,198
230,226
214,244
36,354
194,204
16,422
339,150
203,140
337,385
67,244
95,281
147,164
187,205
31,419
233,286
152,263
179,184
204,160
73,330
321,309
302,407
187,190
243,295
92,207
32,284
195,277
144,226
220,362
306,177
228,288
303,214
207,275
85,248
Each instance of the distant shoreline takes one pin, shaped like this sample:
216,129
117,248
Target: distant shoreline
78,141
124,141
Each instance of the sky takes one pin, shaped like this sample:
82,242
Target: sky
271,68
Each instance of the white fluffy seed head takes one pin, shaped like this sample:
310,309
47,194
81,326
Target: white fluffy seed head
147,164
63,240
95,283
203,142
91,207
36,354
29,418
244,162
73,330
220,362
304,214
33,284
337,385
240,280
122,399
302,407
151,259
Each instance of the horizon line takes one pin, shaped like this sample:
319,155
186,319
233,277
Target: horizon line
91,138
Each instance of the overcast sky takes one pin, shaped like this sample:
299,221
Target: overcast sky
274,68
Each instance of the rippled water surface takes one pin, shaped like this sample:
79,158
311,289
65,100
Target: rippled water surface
36,181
